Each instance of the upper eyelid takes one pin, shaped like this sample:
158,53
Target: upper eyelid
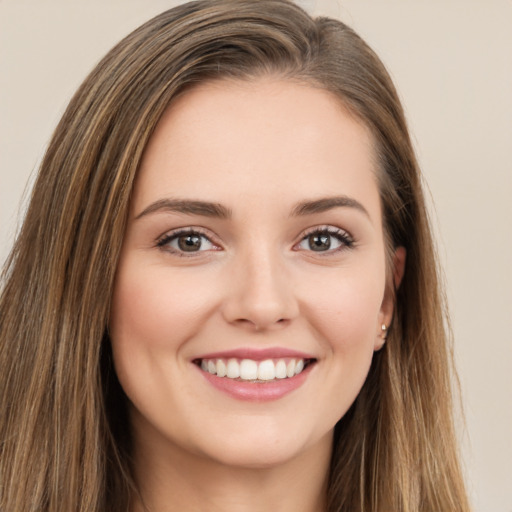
328,228
187,230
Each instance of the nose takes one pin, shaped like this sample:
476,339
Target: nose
261,294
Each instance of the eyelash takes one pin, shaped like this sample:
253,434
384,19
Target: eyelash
165,240
346,240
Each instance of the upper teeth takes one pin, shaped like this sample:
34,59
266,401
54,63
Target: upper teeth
248,369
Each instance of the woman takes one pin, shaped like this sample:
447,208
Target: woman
224,294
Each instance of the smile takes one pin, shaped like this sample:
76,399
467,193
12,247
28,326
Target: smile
252,370
256,375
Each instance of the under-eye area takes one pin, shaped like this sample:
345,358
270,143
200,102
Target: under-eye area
255,371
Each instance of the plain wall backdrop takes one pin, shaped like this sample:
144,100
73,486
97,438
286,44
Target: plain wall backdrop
452,64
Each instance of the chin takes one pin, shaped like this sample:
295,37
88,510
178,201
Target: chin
256,457
264,449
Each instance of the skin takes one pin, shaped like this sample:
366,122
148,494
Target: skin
258,149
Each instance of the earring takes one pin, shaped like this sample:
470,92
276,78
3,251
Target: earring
384,333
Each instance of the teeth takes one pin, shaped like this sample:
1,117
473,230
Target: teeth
266,370
290,368
250,370
281,369
233,370
221,368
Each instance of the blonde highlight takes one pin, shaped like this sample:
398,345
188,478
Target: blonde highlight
64,441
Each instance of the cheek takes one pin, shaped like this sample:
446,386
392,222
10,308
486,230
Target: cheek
345,317
346,309
153,310
154,314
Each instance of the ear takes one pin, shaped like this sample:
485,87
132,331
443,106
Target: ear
388,302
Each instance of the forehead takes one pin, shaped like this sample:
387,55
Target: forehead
258,138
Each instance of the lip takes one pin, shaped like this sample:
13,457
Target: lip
257,354
256,391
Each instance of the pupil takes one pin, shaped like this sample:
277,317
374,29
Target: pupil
189,243
320,242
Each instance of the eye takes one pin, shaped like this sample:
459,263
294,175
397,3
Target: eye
328,239
186,241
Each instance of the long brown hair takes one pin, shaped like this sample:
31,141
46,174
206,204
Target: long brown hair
64,444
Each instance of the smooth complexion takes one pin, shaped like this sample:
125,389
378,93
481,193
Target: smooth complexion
255,233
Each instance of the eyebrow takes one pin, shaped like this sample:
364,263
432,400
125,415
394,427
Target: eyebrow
327,203
190,207
216,210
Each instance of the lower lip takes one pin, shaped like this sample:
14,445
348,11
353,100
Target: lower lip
257,391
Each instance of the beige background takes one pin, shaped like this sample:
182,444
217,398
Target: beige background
452,62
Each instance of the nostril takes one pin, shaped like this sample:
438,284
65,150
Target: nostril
264,326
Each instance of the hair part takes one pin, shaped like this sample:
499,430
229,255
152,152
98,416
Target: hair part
64,443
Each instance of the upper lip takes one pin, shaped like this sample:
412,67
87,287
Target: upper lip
257,354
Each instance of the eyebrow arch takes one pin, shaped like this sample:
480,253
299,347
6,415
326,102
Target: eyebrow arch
191,207
327,203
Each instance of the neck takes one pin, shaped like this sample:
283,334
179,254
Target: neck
172,479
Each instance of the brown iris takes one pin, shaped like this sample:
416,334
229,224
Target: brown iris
189,243
319,241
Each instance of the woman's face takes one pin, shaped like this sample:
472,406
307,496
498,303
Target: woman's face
250,291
